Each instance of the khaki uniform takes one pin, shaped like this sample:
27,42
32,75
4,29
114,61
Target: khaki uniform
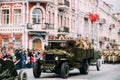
111,56
104,56
84,43
79,43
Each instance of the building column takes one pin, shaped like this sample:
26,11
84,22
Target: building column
25,37
70,17
56,18
25,32
98,36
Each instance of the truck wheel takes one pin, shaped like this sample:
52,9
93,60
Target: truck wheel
98,65
64,70
0,67
22,75
36,70
84,67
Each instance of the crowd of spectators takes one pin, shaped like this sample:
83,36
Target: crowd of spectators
23,58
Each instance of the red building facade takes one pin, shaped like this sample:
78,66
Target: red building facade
30,23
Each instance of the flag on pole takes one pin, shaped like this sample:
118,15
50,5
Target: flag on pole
93,17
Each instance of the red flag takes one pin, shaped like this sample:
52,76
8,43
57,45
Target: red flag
93,17
96,16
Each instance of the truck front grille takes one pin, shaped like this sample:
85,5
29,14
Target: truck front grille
49,58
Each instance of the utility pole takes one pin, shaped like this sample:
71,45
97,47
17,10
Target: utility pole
93,24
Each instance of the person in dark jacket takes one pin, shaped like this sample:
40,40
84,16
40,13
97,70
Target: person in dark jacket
24,59
29,57
18,54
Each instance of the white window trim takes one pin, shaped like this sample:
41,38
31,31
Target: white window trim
43,13
4,42
2,21
5,7
38,17
17,6
18,21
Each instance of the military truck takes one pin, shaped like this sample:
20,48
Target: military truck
62,56
96,61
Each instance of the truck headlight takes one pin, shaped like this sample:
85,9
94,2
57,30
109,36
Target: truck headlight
56,58
41,58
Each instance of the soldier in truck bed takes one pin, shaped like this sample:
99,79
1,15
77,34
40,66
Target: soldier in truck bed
79,42
84,43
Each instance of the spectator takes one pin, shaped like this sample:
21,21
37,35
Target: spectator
32,59
36,54
1,55
29,58
18,54
24,59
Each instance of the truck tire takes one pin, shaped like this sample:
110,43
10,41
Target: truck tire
84,67
22,75
64,70
36,70
0,67
98,65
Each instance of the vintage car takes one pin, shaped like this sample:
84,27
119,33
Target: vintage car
62,56
9,72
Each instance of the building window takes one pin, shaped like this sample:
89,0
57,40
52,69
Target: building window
73,4
17,16
68,22
71,24
53,18
49,18
101,27
58,20
74,26
17,42
5,42
64,21
37,16
5,16
61,21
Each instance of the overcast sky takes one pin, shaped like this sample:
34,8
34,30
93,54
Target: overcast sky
116,5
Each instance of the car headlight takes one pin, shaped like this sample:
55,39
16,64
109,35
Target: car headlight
56,58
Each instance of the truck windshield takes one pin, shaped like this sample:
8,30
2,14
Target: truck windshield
57,45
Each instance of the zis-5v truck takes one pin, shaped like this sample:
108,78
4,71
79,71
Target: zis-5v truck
62,56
